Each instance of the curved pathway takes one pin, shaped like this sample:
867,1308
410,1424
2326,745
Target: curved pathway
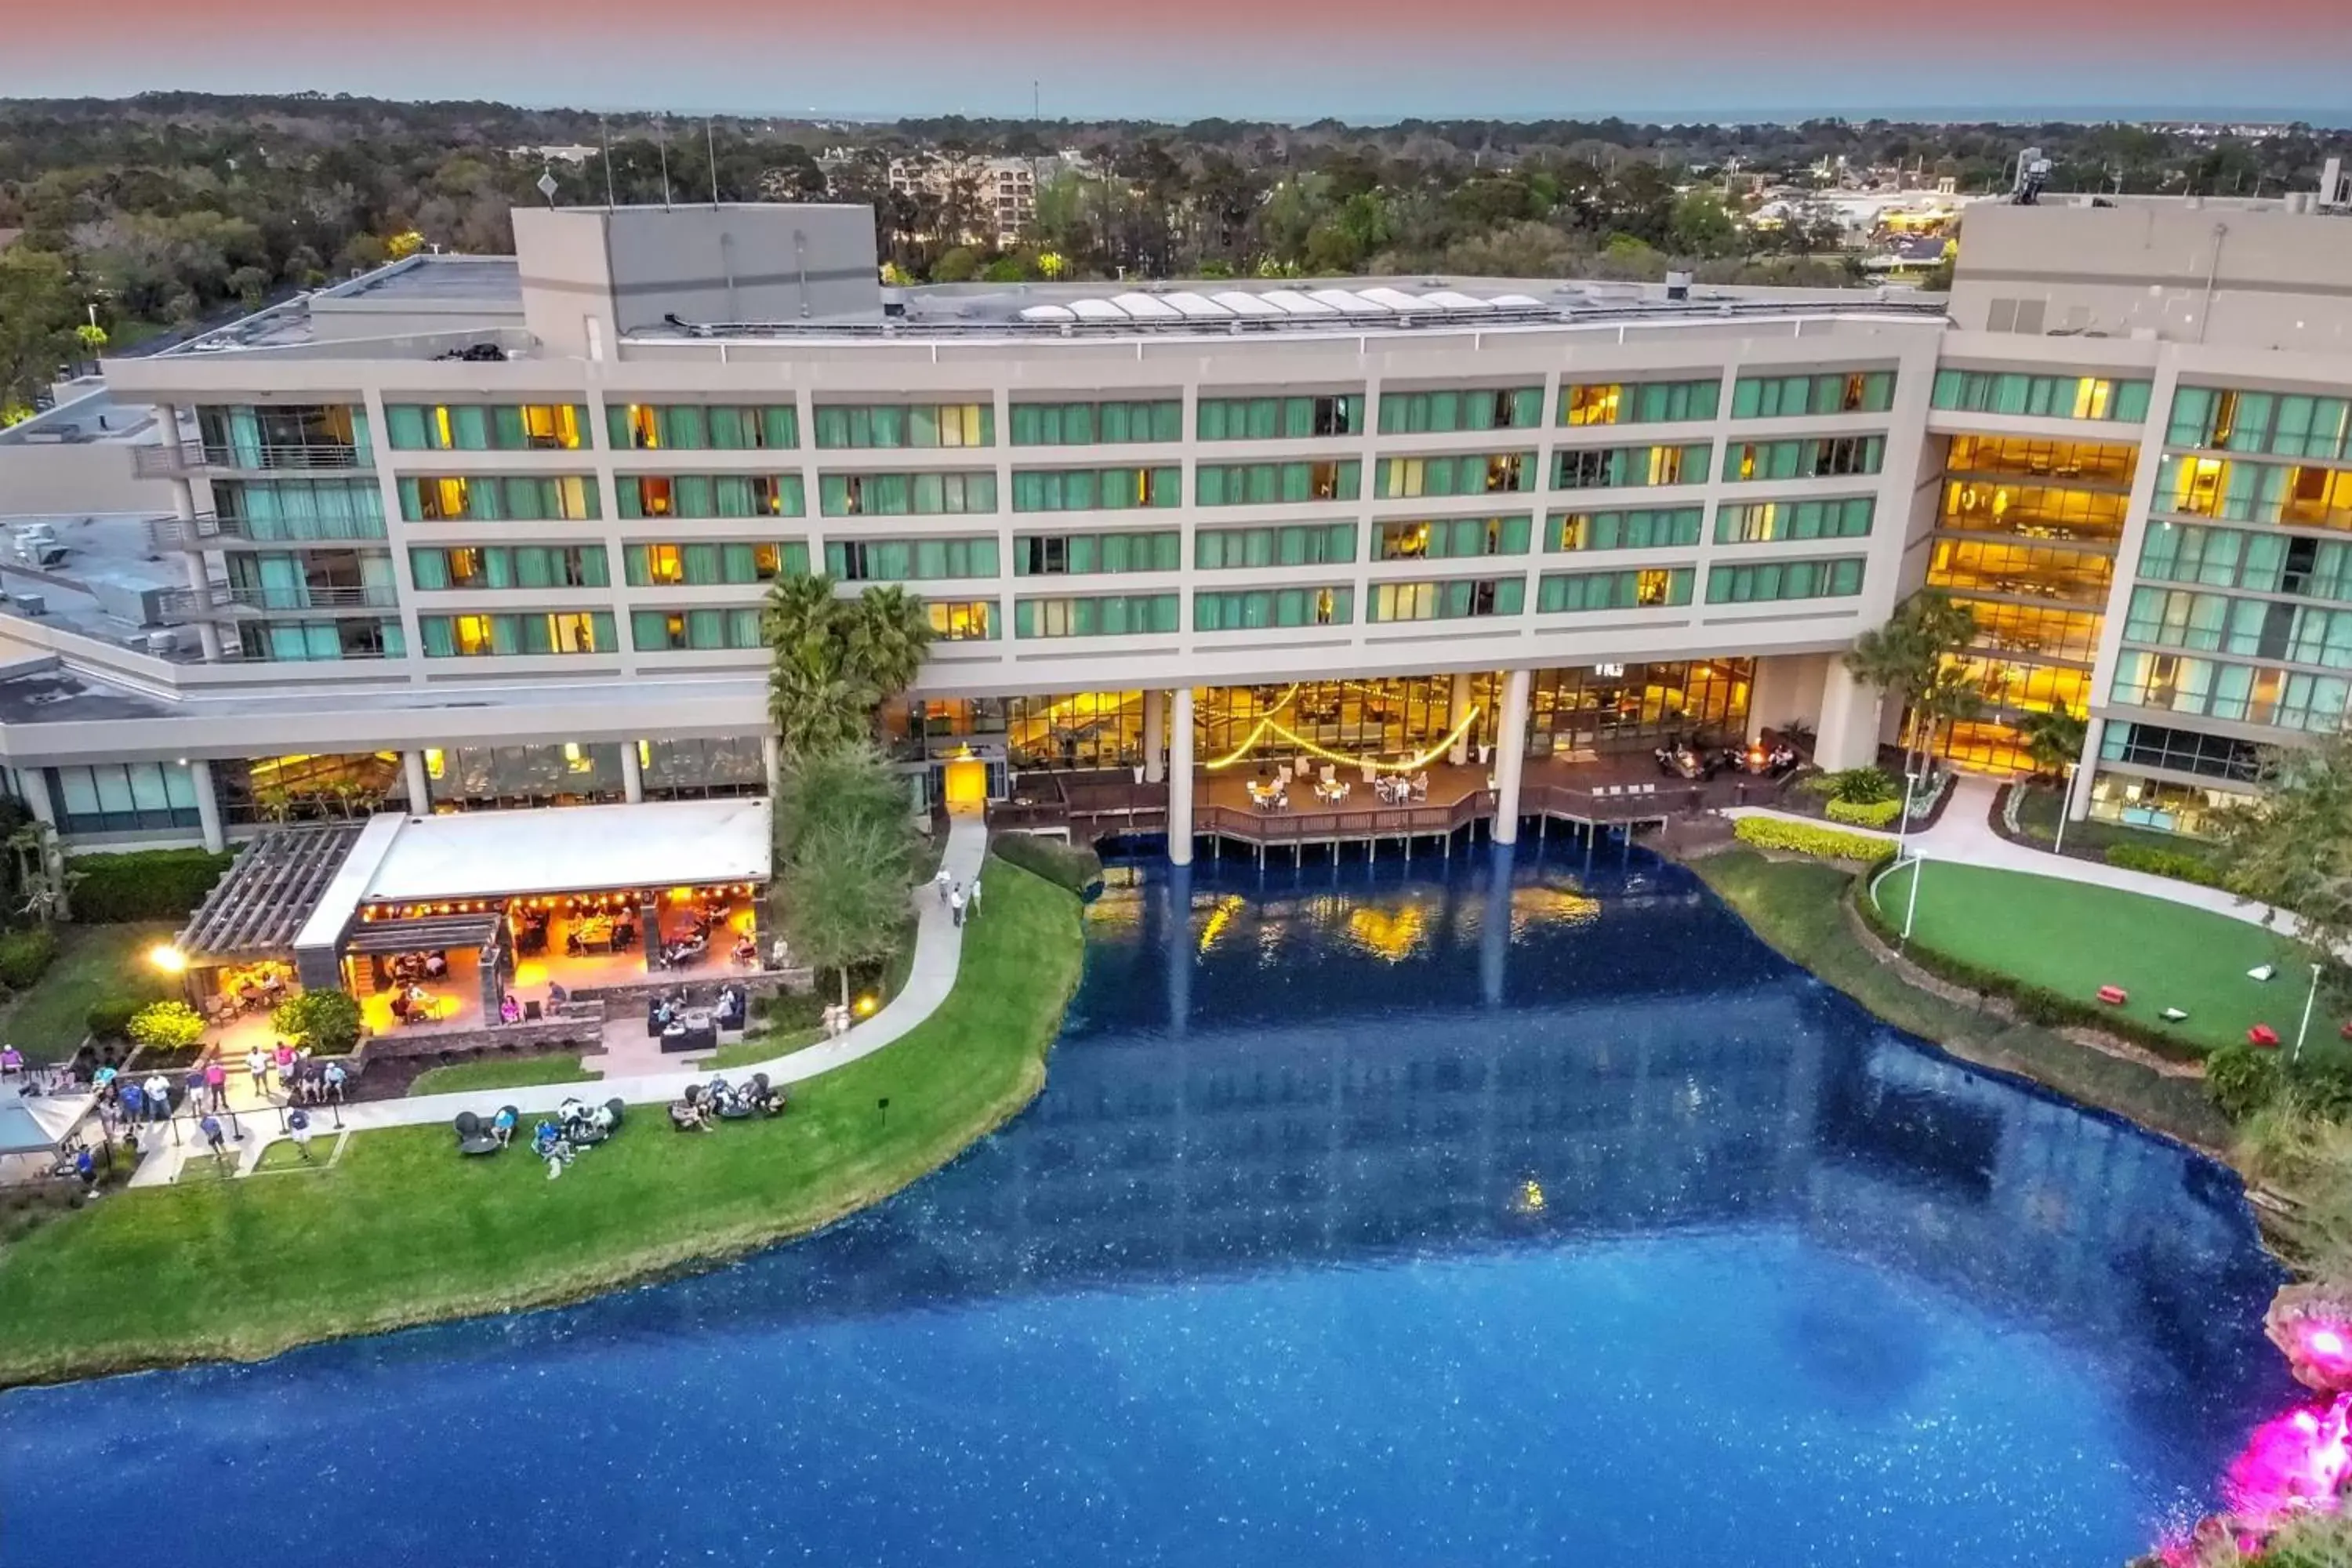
1964,835
939,947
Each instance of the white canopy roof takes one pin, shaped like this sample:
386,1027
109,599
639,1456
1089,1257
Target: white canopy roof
35,1125
552,850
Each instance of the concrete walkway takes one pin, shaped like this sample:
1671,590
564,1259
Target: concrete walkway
938,948
1964,836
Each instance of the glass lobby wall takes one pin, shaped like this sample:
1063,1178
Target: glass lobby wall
1366,719
476,778
1074,729
1591,710
2026,538
311,787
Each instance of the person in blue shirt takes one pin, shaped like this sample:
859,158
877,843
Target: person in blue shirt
502,1125
134,1100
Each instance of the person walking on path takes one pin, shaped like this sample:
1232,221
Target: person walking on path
955,903
972,900
211,1128
194,1085
216,1084
944,883
298,1123
257,1064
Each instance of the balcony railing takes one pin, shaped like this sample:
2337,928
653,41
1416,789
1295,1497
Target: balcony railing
175,459
223,602
209,531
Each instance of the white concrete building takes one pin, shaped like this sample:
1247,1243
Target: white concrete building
495,531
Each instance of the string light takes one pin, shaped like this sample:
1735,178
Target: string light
1410,765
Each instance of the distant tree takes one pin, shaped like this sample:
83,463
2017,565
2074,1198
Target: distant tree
324,1019
835,661
844,895
958,264
38,316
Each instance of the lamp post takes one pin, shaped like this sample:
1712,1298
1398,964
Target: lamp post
2309,1000
2065,810
1911,905
1902,823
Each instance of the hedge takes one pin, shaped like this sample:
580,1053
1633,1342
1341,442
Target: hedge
144,884
2173,863
1863,814
1803,838
1071,866
2034,1004
25,955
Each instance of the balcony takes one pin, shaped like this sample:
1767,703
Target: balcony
222,602
210,531
177,459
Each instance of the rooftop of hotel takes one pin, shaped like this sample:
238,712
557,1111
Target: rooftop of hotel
483,299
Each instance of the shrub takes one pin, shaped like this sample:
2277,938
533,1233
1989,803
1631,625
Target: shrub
1071,866
109,1017
166,1027
2241,1079
1874,814
327,1021
1857,786
25,957
1803,838
2175,863
2324,1088
143,885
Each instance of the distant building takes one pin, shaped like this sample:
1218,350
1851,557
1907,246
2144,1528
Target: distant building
1003,192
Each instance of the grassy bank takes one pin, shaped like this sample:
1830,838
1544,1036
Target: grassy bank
401,1230
1794,905
93,961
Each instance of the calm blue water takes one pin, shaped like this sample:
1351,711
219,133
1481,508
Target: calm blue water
1368,1216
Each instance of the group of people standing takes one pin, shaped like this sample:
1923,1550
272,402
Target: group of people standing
959,897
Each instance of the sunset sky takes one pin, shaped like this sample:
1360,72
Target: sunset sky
1376,59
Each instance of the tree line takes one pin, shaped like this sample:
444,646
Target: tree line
146,218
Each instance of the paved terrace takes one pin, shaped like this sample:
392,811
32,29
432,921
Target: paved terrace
938,948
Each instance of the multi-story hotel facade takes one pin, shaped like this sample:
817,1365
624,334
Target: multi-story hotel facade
496,532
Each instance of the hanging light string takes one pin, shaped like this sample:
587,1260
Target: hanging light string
1410,765
1251,738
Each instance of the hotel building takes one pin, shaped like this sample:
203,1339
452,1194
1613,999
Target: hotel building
474,533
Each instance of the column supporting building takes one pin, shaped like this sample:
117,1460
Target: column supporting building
632,774
420,783
1510,755
771,758
1155,735
1848,735
1457,706
208,817
1180,780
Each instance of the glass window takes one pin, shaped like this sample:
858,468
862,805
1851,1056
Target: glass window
1276,484
1745,583
487,427
903,495
1447,600
1638,527
1250,608
1763,522
1639,402
1076,554
1093,424
1474,408
919,424
1651,588
1115,615
2046,396
1610,468
1834,392
1288,418
1817,456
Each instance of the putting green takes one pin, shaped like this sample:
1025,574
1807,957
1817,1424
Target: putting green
2073,938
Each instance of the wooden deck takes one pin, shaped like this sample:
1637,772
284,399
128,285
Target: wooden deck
1611,792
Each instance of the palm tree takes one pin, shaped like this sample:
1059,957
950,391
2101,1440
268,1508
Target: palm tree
2053,738
1908,657
889,630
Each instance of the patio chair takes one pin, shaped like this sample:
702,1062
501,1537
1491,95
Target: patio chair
1330,775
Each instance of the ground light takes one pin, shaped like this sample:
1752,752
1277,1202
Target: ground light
866,1005
167,958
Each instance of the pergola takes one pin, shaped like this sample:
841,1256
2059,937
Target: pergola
260,904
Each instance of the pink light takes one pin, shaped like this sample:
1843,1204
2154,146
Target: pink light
2291,1464
2328,1343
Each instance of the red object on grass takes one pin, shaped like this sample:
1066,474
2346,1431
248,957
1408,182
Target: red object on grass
2113,995
2262,1035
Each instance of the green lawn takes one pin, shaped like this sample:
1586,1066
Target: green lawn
402,1230
500,1072
1795,905
760,1047
283,1155
47,1022
2072,939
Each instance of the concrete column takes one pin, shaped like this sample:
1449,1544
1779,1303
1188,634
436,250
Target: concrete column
420,783
1848,736
1155,735
35,784
2078,789
1495,923
1180,780
208,817
1786,687
1457,706
772,757
1510,755
1179,937
632,774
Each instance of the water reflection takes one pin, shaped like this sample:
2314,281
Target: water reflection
1545,1174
